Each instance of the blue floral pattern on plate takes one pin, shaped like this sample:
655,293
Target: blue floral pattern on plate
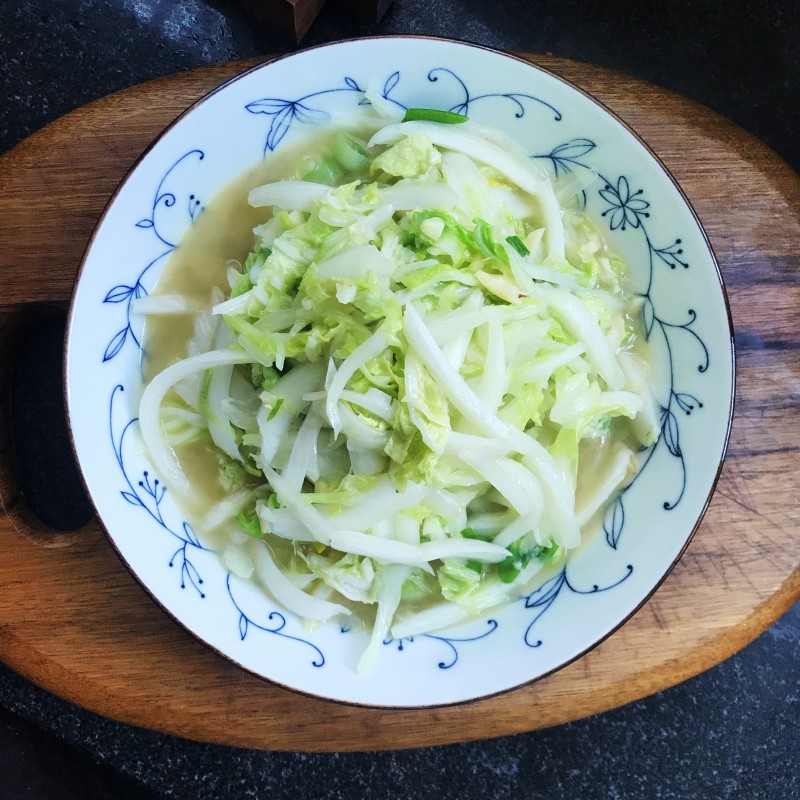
163,200
450,642
284,112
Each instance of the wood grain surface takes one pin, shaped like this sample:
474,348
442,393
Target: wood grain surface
74,621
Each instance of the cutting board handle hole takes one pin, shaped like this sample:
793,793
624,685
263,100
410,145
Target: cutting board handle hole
40,485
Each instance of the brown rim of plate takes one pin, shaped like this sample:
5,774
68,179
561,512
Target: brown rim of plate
659,162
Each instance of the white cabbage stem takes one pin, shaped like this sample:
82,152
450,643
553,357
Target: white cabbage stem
451,383
291,195
287,594
164,461
365,352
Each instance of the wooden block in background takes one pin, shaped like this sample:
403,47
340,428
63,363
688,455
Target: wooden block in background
292,18
289,18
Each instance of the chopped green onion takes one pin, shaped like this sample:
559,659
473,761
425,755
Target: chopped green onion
434,115
518,245
544,553
275,409
507,570
471,533
273,501
475,566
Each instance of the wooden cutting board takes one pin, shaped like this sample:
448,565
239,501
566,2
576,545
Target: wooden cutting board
74,621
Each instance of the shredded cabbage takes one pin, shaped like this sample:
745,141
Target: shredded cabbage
413,366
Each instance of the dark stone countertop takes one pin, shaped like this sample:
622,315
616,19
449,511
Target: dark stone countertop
732,732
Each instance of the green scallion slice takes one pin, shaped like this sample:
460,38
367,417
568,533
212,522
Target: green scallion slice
471,533
275,409
434,115
518,245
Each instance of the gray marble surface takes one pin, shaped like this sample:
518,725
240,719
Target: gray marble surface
733,732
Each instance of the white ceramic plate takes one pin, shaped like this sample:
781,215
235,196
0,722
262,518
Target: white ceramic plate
648,220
